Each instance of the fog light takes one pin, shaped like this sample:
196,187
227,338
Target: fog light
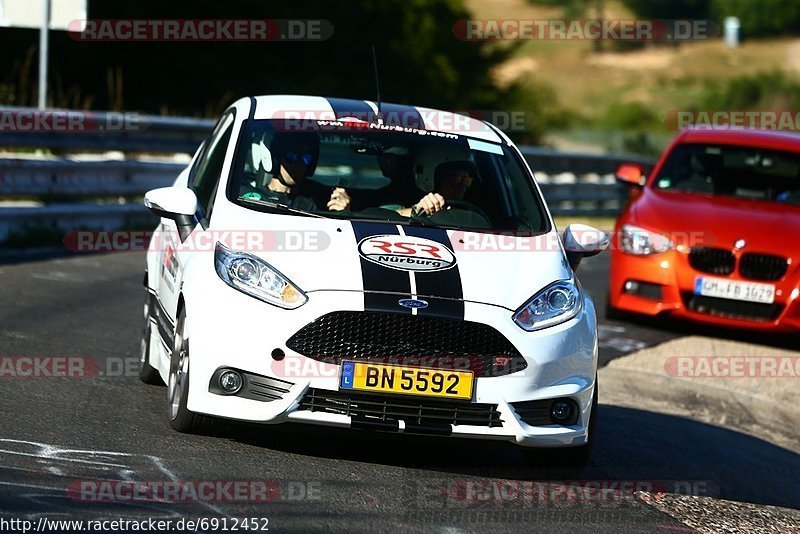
644,290
562,411
230,382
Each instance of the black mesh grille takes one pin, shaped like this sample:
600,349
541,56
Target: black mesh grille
411,410
409,340
734,309
712,260
763,266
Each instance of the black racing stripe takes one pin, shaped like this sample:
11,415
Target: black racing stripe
397,115
379,281
445,284
352,108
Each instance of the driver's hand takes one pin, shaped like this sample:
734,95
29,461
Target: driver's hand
339,201
430,203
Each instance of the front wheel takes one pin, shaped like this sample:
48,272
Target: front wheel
180,418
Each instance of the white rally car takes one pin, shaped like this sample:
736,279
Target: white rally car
343,263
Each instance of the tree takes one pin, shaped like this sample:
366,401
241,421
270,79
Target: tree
420,60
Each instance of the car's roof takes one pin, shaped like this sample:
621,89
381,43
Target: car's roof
779,140
418,118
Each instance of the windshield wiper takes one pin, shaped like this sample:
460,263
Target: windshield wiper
283,208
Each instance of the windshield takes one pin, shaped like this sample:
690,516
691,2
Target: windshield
745,172
380,173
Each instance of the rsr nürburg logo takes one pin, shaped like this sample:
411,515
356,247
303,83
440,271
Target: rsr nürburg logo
406,253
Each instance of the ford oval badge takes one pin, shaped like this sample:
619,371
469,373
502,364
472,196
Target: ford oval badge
412,303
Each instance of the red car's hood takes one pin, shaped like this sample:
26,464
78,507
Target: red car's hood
720,221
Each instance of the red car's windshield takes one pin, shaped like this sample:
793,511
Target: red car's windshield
744,172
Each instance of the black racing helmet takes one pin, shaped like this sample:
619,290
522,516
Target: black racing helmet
285,142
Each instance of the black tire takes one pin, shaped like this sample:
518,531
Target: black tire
147,373
572,458
180,418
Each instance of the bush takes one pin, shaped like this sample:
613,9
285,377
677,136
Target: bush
764,18
630,116
772,90
670,9
543,112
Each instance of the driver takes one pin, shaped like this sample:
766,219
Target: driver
451,182
295,157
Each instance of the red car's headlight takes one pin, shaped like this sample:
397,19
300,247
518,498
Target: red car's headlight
641,242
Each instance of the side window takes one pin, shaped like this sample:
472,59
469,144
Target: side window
208,170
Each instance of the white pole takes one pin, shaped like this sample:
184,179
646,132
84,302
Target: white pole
43,53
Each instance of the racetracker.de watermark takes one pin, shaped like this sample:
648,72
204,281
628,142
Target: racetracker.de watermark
68,366
734,119
637,30
463,241
200,30
239,240
47,366
36,121
259,490
733,366
301,367
478,493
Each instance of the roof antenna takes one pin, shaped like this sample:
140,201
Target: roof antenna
377,84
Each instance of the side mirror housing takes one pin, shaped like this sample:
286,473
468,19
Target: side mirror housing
176,203
631,174
581,241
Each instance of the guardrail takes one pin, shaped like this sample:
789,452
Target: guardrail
580,184
64,193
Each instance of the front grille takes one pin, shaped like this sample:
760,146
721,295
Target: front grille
763,266
733,309
411,410
712,260
411,340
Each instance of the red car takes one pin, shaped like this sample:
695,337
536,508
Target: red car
713,233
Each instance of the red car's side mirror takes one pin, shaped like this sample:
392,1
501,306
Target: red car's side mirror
632,174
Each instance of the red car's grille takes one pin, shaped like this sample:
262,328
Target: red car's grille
763,266
712,260
753,266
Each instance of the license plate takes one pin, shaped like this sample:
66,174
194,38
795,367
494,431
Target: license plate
732,289
379,378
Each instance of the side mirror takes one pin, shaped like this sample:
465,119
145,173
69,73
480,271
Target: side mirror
631,173
581,241
176,203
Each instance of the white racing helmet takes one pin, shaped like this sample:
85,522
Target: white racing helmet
431,156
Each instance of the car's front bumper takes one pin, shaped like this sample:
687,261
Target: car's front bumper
229,329
675,278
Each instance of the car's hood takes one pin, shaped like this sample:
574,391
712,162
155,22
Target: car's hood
330,254
719,221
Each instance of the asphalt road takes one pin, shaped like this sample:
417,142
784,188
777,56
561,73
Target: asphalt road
57,432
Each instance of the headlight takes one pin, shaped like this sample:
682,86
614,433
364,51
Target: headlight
643,242
558,302
257,278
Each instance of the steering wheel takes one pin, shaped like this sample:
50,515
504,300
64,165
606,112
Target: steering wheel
458,204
